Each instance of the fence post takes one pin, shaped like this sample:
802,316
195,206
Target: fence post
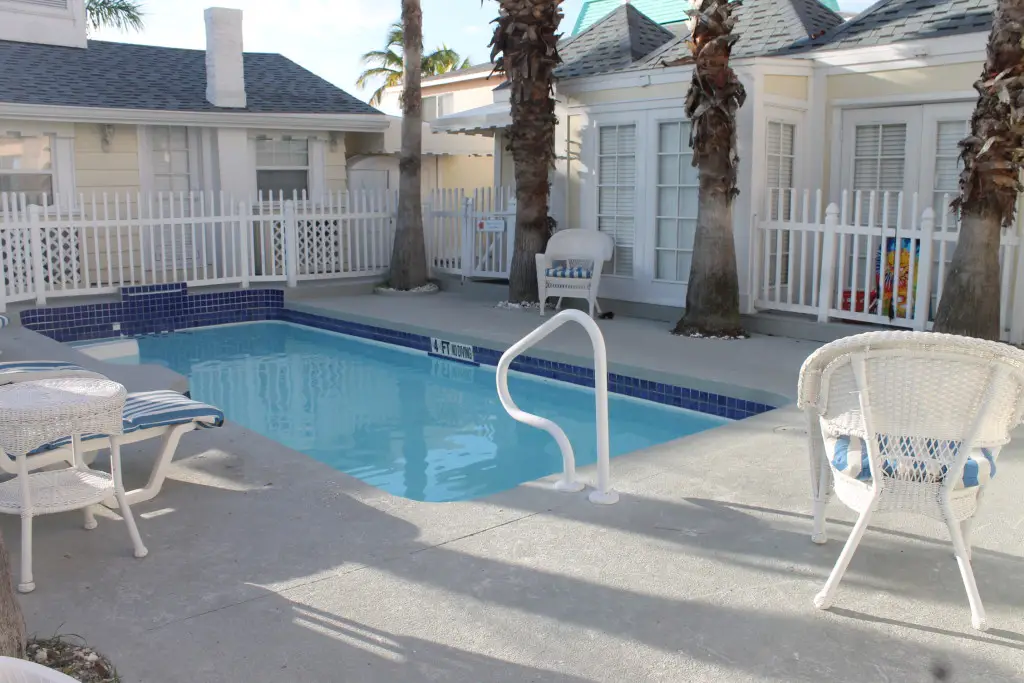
468,238
428,235
923,286
828,263
291,244
35,232
510,232
244,228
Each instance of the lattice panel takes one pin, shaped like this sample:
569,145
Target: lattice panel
61,257
319,246
17,260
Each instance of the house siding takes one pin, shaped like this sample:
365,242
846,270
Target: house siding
112,171
466,172
336,175
793,87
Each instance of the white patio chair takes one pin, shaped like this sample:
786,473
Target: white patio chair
166,415
909,422
571,266
22,671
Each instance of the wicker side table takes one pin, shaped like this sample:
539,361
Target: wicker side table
33,414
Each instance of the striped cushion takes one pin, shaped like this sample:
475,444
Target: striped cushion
149,409
578,273
850,458
29,370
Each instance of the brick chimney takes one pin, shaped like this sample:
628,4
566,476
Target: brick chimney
225,75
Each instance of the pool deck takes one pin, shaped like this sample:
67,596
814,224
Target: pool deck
268,566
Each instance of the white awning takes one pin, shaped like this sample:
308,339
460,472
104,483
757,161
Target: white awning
480,121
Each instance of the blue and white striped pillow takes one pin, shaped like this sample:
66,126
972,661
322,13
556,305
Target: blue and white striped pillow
849,457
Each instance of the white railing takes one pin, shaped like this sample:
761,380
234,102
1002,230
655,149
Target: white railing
462,231
875,257
603,494
99,243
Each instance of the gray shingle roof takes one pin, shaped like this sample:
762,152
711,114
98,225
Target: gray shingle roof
890,21
616,42
763,26
125,76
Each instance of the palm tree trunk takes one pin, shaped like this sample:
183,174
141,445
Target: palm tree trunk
713,292
714,97
526,39
409,254
12,623
989,183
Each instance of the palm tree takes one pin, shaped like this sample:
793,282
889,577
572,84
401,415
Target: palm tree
715,95
989,183
386,65
525,47
409,253
123,15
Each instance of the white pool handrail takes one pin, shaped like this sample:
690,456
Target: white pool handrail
603,494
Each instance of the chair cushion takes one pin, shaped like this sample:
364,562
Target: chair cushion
28,370
149,409
4,321
849,458
577,273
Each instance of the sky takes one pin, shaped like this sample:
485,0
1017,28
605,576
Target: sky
328,36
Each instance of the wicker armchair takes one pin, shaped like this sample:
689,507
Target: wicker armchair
909,422
571,266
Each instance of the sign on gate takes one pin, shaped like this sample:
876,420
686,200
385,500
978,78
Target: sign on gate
491,225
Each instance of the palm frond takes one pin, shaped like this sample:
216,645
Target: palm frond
123,15
390,76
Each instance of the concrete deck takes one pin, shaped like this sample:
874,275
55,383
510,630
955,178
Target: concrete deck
266,565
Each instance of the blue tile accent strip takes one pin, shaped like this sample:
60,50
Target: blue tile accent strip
667,394
153,309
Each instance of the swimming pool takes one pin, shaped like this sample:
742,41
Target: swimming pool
413,425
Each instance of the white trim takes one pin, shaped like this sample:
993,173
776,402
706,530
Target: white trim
781,102
915,63
208,150
904,100
835,156
639,78
318,167
817,96
145,152
962,46
350,123
627,106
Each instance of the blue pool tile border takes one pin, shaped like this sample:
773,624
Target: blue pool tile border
152,309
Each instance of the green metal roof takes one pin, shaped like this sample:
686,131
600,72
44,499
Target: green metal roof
661,11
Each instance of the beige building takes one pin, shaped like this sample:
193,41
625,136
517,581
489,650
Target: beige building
79,116
876,102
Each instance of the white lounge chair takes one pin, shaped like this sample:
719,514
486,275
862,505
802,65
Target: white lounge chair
147,415
21,671
571,266
909,422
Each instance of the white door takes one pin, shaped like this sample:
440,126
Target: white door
945,125
616,200
174,161
880,148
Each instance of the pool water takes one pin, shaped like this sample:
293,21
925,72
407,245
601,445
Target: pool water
413,425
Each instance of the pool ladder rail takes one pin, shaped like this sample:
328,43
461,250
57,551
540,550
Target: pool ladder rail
603,494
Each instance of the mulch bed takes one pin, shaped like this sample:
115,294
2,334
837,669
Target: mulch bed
72,657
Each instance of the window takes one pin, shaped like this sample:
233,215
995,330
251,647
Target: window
879,163
282,165
26,165
171,169
436,106
616,192
676,203
948,135
780,159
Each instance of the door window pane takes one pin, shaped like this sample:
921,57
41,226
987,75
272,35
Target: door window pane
26,165
676,203
616,193
780,159
946,183
879,165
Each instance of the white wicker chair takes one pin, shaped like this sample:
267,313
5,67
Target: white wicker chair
571,266
912,407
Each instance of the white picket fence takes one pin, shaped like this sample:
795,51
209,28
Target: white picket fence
100,243
471,233
840,262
